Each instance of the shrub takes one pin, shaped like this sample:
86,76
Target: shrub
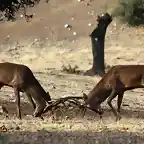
70,69
130,11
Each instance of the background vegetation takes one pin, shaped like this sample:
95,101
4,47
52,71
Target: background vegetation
130,11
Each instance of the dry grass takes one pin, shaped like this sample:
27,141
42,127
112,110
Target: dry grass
46,64
46,56
74,131
71,70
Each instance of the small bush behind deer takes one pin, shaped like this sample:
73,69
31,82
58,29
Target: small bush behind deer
71,70
74,70
130,11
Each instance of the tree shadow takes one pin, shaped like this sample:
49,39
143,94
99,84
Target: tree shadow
74,137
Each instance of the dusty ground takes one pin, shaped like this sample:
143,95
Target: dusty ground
45,45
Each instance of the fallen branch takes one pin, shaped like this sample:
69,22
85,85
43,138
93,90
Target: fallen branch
71,102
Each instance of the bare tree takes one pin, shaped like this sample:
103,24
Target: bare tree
97,40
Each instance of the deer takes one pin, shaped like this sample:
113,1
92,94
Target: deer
115,82
21,79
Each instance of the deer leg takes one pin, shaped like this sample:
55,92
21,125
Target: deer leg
51,112
111,97
52,115
39,109
85,104
84,108
83,112
119,101
31,100
100,114
16,92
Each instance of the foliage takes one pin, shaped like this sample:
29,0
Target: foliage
130,11
71,70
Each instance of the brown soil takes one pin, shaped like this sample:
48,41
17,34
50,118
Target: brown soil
45,45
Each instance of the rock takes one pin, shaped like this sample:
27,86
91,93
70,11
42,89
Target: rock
35,40
29,117
89,24
17,128
8,36
74,33
125,104
53,87
3,109
87,4
12,100
21,16
114,24
67,26
122,28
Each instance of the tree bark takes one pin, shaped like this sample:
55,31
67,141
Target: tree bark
97,42
98,66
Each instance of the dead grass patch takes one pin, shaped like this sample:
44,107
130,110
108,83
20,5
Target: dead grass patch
72,132
71,70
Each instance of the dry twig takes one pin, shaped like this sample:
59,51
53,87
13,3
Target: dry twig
67,102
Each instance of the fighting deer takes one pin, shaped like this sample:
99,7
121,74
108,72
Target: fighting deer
21,79
116,81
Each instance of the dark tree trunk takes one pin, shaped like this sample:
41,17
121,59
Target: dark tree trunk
98,66
97,41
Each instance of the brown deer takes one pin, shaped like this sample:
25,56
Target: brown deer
21,78
115,82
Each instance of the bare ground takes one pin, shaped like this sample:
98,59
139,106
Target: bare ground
45,45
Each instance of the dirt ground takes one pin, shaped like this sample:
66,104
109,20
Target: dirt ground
45,45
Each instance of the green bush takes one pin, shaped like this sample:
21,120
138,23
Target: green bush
130,11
